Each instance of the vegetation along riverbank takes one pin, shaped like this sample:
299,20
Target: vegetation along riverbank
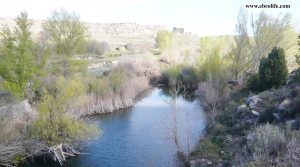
56,72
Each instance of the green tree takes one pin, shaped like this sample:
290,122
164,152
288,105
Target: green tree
213,69
68,34
54,125
253,83
164,39
273,70
17,63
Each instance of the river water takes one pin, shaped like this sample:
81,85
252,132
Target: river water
143,135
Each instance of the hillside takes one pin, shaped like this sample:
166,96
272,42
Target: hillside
114,33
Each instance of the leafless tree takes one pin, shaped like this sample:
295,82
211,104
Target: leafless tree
241,53
177,89
212,98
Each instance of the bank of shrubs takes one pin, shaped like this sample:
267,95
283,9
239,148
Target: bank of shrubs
98,48
55,125
271,145
211,67
272,73
186,74
54,91
117,89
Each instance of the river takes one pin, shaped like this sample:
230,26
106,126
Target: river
142,135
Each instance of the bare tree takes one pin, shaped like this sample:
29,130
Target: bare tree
177,89
212,98
241,53
268,32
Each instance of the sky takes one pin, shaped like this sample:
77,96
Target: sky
202,17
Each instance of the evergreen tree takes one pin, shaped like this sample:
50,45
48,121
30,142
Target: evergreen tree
273,71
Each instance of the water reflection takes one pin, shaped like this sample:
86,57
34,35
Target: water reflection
142,135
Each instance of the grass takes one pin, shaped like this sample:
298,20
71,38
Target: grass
207,148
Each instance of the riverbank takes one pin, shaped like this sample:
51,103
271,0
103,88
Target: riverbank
119,89
144,129
253,129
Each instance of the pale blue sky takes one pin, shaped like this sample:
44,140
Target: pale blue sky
211,17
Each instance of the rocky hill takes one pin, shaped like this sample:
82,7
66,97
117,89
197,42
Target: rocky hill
115,33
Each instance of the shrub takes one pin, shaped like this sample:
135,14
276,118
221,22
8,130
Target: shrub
92,47
190,77
218,129
173,73
212,98
266,143
103,48
54,125
131,47
187,75
297,77
208,148
100,48
140,66
99,87
295,109
15,118
267,115
271,146
6,98
117,79
273,71
139,47
253,83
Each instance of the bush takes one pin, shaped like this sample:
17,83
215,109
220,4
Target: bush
173,73
253,83
54,125
208,148
212,99
273,71
99,87
117,79
103,48
267,115
140,66
266,142
190,77
271,146
295,109
187,75
94,47
297,77
138,47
